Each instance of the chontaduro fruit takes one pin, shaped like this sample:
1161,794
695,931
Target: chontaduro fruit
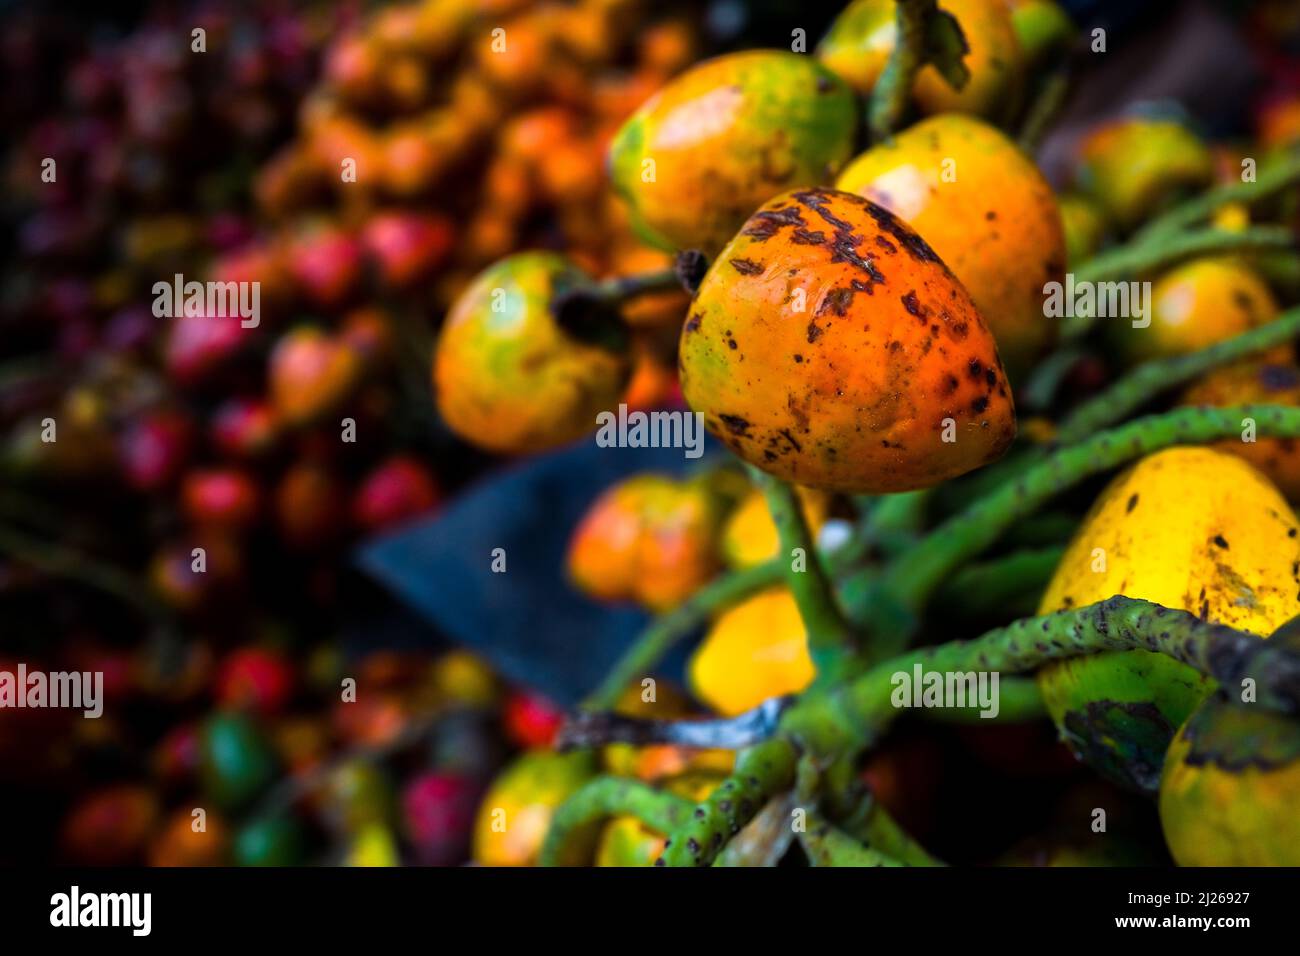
725,136
830,346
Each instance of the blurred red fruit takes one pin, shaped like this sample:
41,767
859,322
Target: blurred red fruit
176,757
438,813
400,488
199,345
255,678
309,505
407,247
530,720
311,373
221,498
243,427
153,449
110,827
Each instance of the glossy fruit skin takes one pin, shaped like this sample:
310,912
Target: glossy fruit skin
530,720
755,650
513,381
1231,783
528,791
1135,165
750,536
830,346
1188,528
860,40
996,225
724,137
1263,382
1197,304
650,538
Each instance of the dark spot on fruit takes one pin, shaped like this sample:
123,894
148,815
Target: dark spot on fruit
693,323
990,215
746,267
885,244
765,224
975,369
731,344
903,234
913,305
735,424
785,432
814,331
1242,300
1221,541
798,357
1277,377
807,237
950,384
991,377
1132,503
837,300
979,404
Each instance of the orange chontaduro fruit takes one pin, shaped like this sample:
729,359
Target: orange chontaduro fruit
830,346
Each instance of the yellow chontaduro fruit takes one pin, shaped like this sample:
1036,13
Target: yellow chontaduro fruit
750,535
1230,794
756,650
514,815
1187,528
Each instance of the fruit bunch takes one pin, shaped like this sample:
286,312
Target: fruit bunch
864,329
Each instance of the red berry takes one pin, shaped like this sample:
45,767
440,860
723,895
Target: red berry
438,812
531,720
398,489
255,678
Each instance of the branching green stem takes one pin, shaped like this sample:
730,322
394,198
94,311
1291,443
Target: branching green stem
1271,179
576,818
914,576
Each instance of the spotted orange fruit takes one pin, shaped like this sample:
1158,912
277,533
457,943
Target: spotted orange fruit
830,346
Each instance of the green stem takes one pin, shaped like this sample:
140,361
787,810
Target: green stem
984,588
914,577
577,817
761,772
1164,250
1044,109
893,90
829,636
1270,180
827,845
1151,378
871,823
1019,701
858,713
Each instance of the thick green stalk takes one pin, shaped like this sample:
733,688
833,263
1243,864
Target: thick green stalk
827,845
1272,178
913,578
871,823
761,772
1164,250
829,636
986,587
893,90
1151,378
607,797
858,713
